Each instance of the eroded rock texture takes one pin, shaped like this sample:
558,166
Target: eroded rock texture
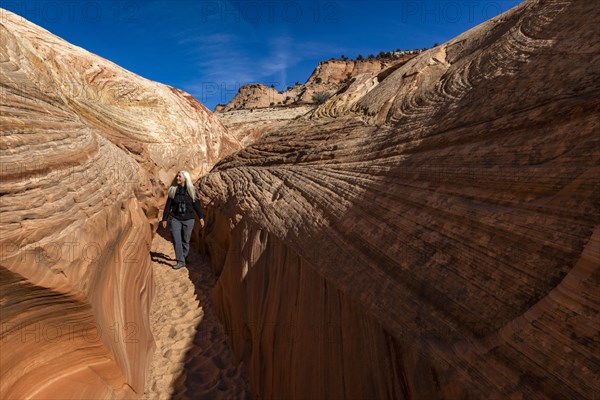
332,75
87,150
252,96
247,126
328,77
439,238
257,109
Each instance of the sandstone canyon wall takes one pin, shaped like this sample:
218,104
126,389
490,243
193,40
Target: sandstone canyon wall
257,109
333,75
87,150
247,126
328,77
438,238
251,96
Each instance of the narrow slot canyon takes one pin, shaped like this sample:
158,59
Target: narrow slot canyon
193,357
420,226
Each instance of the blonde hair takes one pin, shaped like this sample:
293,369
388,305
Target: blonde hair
191,189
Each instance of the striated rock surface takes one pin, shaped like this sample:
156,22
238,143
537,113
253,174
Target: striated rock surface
329,77
439,238
345,99
87,150
257,110
252,96
248,126
332,75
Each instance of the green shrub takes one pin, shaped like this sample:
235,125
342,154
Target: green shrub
320,97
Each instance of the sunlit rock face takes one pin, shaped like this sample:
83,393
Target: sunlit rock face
247,126
333,75
257,109
439,238
251,96
87,149
328,77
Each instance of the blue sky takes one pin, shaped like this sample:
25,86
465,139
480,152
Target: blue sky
210,48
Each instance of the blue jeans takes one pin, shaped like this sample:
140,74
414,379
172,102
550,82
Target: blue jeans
181,232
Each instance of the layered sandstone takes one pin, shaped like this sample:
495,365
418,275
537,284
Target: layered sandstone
328,77
87,150
332,75
248,126
345,99
438,238
257,110
253,96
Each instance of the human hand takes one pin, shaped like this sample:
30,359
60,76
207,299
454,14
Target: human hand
201,222
164,224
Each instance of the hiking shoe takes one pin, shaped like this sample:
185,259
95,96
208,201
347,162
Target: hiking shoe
179,265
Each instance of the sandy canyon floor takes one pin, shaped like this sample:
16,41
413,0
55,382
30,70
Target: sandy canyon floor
192,358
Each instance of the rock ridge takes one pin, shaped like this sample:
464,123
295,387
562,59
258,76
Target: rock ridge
87,150
328,77
451,211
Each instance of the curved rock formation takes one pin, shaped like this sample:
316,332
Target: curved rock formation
248,126
87,150
332,75
252,96
439,238
328,77
257,110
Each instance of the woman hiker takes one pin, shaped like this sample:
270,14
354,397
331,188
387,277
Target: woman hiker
182,201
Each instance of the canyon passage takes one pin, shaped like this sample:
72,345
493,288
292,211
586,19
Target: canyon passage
431,230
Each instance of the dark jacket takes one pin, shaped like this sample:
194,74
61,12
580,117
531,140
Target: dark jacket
181,206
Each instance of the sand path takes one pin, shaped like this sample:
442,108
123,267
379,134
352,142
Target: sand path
192,359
